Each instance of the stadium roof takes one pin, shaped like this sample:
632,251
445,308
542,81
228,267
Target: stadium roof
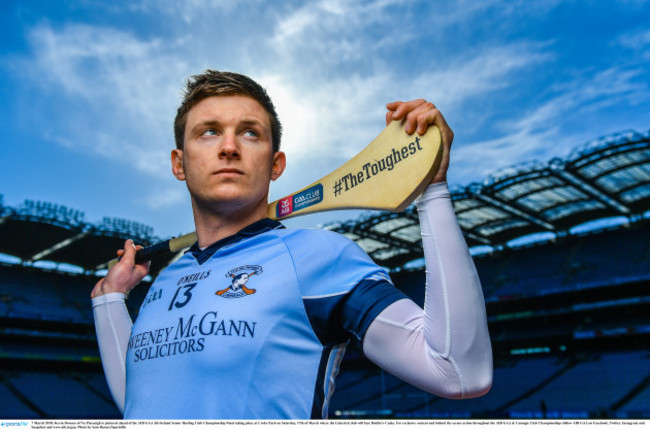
42,231
607,177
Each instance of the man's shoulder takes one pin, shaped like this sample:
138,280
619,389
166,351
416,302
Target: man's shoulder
326,249
328,263
315,232
314,238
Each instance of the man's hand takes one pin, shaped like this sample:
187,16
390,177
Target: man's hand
417,116
124,275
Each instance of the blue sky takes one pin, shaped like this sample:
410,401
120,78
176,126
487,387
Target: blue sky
89,89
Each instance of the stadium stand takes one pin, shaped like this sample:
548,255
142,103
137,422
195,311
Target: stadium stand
41,391
567,304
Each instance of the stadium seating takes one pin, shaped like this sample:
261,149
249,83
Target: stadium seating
11,406
54,367
607,258
638,406
560,388
37,294
615,374
610,257
541,383
57,395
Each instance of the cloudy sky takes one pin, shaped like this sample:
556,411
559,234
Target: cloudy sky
89,88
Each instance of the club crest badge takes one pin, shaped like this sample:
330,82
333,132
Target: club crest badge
239,278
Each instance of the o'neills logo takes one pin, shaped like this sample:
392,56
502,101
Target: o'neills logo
239,277
371,169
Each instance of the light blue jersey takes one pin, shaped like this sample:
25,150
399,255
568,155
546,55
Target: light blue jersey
253,327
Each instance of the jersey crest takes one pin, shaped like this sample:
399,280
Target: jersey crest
239,277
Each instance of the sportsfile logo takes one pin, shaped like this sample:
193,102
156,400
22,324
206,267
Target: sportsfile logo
370,170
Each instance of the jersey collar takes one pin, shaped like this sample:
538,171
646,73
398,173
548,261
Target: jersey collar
251,230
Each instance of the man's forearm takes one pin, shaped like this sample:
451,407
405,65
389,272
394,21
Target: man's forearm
445,348
113,326
454,297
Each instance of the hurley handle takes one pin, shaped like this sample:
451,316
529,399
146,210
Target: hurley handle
172,245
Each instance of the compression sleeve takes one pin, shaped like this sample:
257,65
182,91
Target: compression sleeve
113,326
445,348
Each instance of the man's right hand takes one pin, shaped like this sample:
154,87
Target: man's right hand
124,275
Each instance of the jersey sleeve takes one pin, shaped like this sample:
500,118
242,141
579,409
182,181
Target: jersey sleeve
343,290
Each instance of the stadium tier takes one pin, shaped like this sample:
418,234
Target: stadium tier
567,313
562,387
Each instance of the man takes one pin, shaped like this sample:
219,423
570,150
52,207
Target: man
253,321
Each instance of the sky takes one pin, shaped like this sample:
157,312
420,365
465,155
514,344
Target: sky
89,89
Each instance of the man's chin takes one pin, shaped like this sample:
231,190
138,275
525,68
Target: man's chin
230,202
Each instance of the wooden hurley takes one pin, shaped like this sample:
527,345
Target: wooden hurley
387,175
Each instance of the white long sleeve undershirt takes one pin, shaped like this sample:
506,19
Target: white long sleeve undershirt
113,326
443,349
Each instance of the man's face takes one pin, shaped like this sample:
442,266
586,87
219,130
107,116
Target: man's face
227,159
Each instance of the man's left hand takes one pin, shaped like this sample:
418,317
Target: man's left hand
417,116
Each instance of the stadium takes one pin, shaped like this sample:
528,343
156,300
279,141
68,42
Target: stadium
562,249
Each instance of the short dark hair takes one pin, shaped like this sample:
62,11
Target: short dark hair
216,83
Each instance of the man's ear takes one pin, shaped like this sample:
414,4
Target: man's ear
177,164
279,164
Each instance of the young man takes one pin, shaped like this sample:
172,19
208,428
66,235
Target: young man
253,321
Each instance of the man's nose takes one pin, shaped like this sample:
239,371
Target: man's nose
229,148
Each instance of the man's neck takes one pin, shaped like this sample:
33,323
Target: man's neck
213,225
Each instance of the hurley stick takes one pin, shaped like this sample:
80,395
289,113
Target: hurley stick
387,175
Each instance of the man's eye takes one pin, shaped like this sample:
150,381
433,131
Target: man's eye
250,133
209,132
